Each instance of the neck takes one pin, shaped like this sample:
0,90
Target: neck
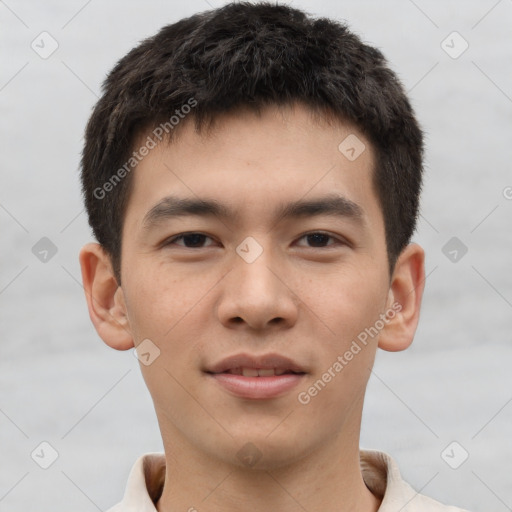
327,479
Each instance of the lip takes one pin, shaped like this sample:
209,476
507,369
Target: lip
252,361
256,388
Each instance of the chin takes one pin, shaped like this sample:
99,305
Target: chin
261,452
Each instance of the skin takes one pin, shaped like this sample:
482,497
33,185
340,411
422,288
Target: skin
300,298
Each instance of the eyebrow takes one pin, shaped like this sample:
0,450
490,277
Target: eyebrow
173,206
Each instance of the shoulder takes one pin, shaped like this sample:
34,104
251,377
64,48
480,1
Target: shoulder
382,476
144,484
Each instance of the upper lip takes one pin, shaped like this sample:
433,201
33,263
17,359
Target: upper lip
252,361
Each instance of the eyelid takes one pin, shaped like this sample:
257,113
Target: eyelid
170,240
338,239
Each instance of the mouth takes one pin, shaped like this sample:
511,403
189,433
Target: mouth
258,372
256,377
255,365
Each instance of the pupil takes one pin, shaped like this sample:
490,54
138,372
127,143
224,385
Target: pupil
193,240
317,239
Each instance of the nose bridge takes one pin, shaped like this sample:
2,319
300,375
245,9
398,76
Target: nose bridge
252,292
252,269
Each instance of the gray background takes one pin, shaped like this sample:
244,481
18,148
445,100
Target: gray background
60,384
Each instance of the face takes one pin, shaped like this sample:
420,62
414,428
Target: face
260,242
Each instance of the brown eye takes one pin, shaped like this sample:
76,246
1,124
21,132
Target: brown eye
318,240
189,240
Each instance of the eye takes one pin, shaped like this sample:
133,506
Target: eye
189,240
193,240
319,239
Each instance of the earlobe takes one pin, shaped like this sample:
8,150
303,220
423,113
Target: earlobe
404,300
105,299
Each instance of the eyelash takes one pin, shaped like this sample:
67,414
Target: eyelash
172,240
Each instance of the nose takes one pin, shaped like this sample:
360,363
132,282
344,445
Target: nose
257,295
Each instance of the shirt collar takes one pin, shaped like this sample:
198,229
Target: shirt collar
379,470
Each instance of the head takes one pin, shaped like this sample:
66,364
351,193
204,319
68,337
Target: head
249,56
291,150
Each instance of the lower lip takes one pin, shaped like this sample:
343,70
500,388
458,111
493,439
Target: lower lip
257,388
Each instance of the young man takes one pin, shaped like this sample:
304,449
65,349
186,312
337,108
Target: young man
252,176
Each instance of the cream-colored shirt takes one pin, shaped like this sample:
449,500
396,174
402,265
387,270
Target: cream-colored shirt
380,474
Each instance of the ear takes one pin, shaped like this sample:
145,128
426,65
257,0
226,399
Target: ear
105,298
404,300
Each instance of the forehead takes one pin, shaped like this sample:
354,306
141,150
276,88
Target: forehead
249,160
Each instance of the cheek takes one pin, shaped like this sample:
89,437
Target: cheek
168,305
173,310
347,307
344,303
